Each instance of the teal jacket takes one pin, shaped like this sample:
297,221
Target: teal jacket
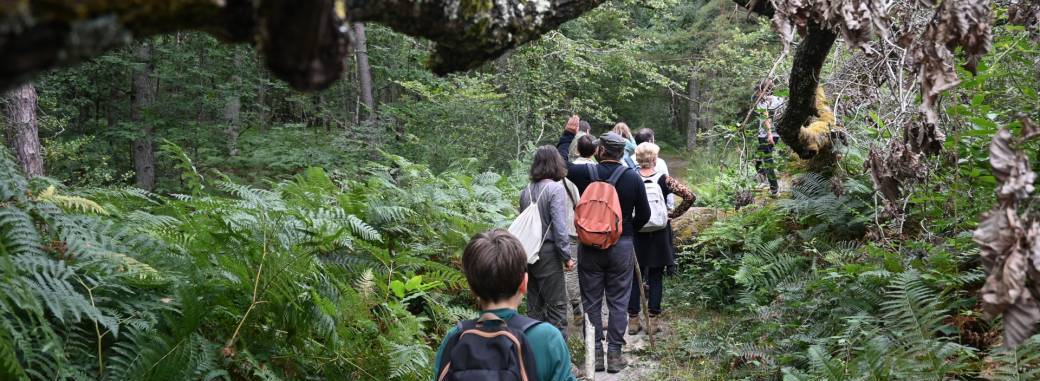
547,344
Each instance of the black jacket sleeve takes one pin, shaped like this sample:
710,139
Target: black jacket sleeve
564,145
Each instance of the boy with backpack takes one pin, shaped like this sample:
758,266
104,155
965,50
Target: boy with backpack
501,344
613,207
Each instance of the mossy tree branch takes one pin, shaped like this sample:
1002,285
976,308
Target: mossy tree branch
809,58
304,42
805,77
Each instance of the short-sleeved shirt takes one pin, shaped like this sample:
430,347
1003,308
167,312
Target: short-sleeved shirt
551,354
769,107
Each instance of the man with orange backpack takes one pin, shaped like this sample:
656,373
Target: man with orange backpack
613,207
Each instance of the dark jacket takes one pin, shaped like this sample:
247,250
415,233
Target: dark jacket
635,209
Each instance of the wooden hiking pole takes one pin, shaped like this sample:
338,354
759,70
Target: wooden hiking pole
644,303
589,336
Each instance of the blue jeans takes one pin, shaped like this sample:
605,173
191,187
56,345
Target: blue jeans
654,276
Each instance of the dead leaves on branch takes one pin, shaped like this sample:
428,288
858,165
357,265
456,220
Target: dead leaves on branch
957,23
892,167
1010,241
964,24
856,20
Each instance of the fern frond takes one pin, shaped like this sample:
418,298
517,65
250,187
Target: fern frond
75,203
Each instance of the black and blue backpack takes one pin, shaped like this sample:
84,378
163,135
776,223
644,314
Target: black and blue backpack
490,349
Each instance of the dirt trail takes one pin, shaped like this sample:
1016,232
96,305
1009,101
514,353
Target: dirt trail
677,164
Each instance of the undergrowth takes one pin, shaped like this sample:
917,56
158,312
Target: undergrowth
314,277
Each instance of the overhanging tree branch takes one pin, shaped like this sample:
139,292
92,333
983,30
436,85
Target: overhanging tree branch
470,32
805,77
809,58
303,42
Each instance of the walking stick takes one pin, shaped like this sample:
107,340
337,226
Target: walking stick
644,303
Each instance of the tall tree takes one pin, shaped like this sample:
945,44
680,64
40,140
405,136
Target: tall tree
364,71
22,136
233,107
144,97
693,117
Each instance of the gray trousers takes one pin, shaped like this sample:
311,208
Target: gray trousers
607,272
571,280
546,295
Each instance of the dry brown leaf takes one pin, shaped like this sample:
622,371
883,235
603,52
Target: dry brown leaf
957,23
1010,252
1011,168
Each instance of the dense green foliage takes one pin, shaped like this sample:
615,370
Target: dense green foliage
316,277
827,284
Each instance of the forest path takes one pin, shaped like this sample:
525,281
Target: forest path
644,362
677,164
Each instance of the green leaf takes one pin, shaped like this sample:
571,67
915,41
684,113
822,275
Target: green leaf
398,288
414,283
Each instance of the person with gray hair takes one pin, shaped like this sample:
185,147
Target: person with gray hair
609,271
654,248
646,135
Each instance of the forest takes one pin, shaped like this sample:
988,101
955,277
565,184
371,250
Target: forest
276,190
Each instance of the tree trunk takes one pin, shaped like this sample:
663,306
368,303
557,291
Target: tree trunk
22,136
233,107
144,97
694,117
364,72
261,97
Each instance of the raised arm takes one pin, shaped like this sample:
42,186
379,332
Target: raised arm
569,132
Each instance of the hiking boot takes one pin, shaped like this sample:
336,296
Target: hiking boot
615,362
601,363
633,325
655,324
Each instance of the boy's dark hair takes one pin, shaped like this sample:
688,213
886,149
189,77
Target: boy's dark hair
547,164
644,135
586,145
584,126
494,263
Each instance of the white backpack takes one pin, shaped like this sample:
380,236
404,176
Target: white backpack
658,205
528,228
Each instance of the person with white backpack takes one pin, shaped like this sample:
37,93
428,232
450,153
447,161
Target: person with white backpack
543,230
653,243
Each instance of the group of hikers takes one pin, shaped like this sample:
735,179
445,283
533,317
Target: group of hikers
603,207
595,228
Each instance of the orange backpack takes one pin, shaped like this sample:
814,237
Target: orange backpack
597,217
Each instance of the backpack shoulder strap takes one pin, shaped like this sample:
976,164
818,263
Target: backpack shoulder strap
617,174
522,323
593,172
631,164
461,327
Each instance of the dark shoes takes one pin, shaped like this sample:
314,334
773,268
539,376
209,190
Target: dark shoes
615,362
600,362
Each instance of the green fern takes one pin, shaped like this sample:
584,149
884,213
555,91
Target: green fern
1019,364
